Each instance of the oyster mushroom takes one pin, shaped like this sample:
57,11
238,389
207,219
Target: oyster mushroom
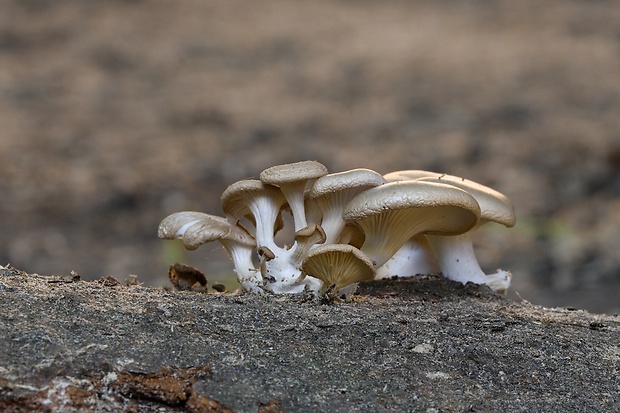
331,193
197,228
455,254
305,239
338,266
391,214
292,180
262,202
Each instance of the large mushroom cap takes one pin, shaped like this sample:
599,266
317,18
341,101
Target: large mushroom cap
338,265
494,206
292,172
453,210
393,213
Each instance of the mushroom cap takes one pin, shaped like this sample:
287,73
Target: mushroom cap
235,198
408,174
494,206
197,228
393,213
174,225
292,172
338,265
355,178
451,210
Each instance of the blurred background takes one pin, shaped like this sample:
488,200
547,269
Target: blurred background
114,114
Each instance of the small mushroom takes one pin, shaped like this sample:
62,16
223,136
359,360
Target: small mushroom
292,180
305,239
338,266
196,228
391,214
455,254
332,192
263,202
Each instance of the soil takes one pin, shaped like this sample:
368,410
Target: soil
115,114
414,345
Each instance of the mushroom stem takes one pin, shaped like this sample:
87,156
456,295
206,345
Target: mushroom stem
265,214
413,258
248,276
294,194
281,274
457,261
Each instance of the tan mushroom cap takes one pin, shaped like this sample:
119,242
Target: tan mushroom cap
360,179
235,198
171,226
292,179
262,202
408,174
404,195
332,192
494,206
338,265
292,172
196,228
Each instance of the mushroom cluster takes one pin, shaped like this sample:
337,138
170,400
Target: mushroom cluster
349,227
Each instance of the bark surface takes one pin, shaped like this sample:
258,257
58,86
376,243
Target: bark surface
424,344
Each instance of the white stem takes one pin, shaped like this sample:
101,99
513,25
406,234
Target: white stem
333,226
281,274
458,262
265,213
294,194
456,257
413,258
248,276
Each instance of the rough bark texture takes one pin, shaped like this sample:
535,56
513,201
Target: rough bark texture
416,345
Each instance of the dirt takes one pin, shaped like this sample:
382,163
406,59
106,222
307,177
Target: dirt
115,114
424,344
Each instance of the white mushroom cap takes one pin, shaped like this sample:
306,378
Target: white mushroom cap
338,265
262,201
332,192
292,179
393,213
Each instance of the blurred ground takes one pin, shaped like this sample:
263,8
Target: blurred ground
115,114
